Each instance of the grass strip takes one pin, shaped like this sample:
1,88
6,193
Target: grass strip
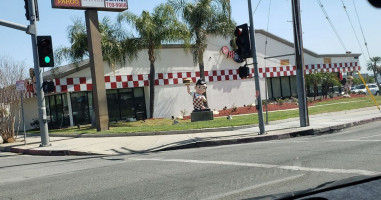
239,120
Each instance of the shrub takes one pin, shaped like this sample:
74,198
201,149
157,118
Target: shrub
265,102
184,112
234,108
330,95
280,101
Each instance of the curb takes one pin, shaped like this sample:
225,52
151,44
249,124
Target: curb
308,132
240,140
45,152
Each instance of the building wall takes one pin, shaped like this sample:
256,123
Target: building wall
171,99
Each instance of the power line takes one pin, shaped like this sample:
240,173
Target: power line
330,23
257,6
353,28
358,19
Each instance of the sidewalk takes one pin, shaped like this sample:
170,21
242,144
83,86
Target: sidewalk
282,129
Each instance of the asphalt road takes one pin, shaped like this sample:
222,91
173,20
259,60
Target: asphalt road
224,172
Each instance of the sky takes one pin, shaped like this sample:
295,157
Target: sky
318,35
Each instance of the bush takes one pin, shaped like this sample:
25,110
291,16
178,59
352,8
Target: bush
234,108
184,112
330,95
280,101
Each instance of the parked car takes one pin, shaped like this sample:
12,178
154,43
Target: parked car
361,89
373,89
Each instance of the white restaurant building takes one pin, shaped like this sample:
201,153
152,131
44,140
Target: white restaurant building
128,86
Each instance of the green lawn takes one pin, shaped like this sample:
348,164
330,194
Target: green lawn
166,124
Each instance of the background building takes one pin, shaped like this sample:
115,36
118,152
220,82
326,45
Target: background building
128,87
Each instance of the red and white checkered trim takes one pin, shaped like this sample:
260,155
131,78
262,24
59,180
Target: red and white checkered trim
130,81
277,71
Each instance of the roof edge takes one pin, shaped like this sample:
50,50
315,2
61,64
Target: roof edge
288,43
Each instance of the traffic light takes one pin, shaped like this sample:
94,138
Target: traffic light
45,51
27,9
243,41
243,72
27,15
48,86
375,3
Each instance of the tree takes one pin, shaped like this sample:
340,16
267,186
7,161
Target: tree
205,17
154,29
115,43
10,72
357,81
328,80
373,67
325,79
314,78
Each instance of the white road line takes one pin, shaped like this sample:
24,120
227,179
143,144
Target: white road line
243,190
268,166
367,137
355,141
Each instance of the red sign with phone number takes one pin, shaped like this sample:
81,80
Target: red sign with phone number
106,5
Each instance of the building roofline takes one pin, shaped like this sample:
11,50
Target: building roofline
62,71
290,44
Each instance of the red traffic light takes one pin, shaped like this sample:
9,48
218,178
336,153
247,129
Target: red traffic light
238,32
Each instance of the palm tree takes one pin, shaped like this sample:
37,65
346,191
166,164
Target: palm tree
116,46
205,17
375,69
154,29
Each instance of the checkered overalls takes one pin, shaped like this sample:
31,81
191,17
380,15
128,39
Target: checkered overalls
198,103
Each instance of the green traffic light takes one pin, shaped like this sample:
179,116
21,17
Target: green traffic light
47,59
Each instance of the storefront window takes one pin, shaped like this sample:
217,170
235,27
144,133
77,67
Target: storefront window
113,105
127,104
286,90
276,86
269,88
57,111
80,107
294,86
123,104
140,105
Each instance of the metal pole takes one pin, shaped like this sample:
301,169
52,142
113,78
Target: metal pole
299,59
255,61
22,115
40,93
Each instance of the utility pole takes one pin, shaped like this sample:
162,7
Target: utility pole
97,70
255,62
39,79
299,59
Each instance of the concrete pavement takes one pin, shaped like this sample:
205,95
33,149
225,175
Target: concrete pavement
282,129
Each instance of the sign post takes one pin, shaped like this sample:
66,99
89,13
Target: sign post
20,86
95,50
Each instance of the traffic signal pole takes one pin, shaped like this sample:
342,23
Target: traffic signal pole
256,77
299,60
39,79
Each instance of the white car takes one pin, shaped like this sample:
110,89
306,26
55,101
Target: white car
373,89
361,89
